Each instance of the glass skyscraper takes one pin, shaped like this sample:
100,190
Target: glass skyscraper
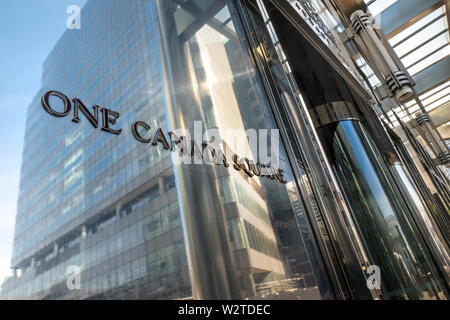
109,205
103,216
100,203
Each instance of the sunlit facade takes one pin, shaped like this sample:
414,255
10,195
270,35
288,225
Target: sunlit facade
100,202
127,220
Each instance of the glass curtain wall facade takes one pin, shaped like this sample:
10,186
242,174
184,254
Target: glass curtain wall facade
113,207
88,199
139,224
259,228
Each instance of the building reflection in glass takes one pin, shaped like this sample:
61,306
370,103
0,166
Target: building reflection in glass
120,211
140,226
105,205
267,240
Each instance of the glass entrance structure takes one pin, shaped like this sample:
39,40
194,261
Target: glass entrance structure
286,192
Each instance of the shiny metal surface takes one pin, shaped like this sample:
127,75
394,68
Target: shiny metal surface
430,229
246,237
334,112
369,188
339,240
390,235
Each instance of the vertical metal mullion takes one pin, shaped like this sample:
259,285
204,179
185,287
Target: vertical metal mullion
291,156
346,291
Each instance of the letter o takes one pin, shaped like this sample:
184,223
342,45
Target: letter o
46,105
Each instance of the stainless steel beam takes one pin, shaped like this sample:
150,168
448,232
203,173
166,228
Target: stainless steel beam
347,7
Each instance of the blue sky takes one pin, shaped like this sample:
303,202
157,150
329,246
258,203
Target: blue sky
28,31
